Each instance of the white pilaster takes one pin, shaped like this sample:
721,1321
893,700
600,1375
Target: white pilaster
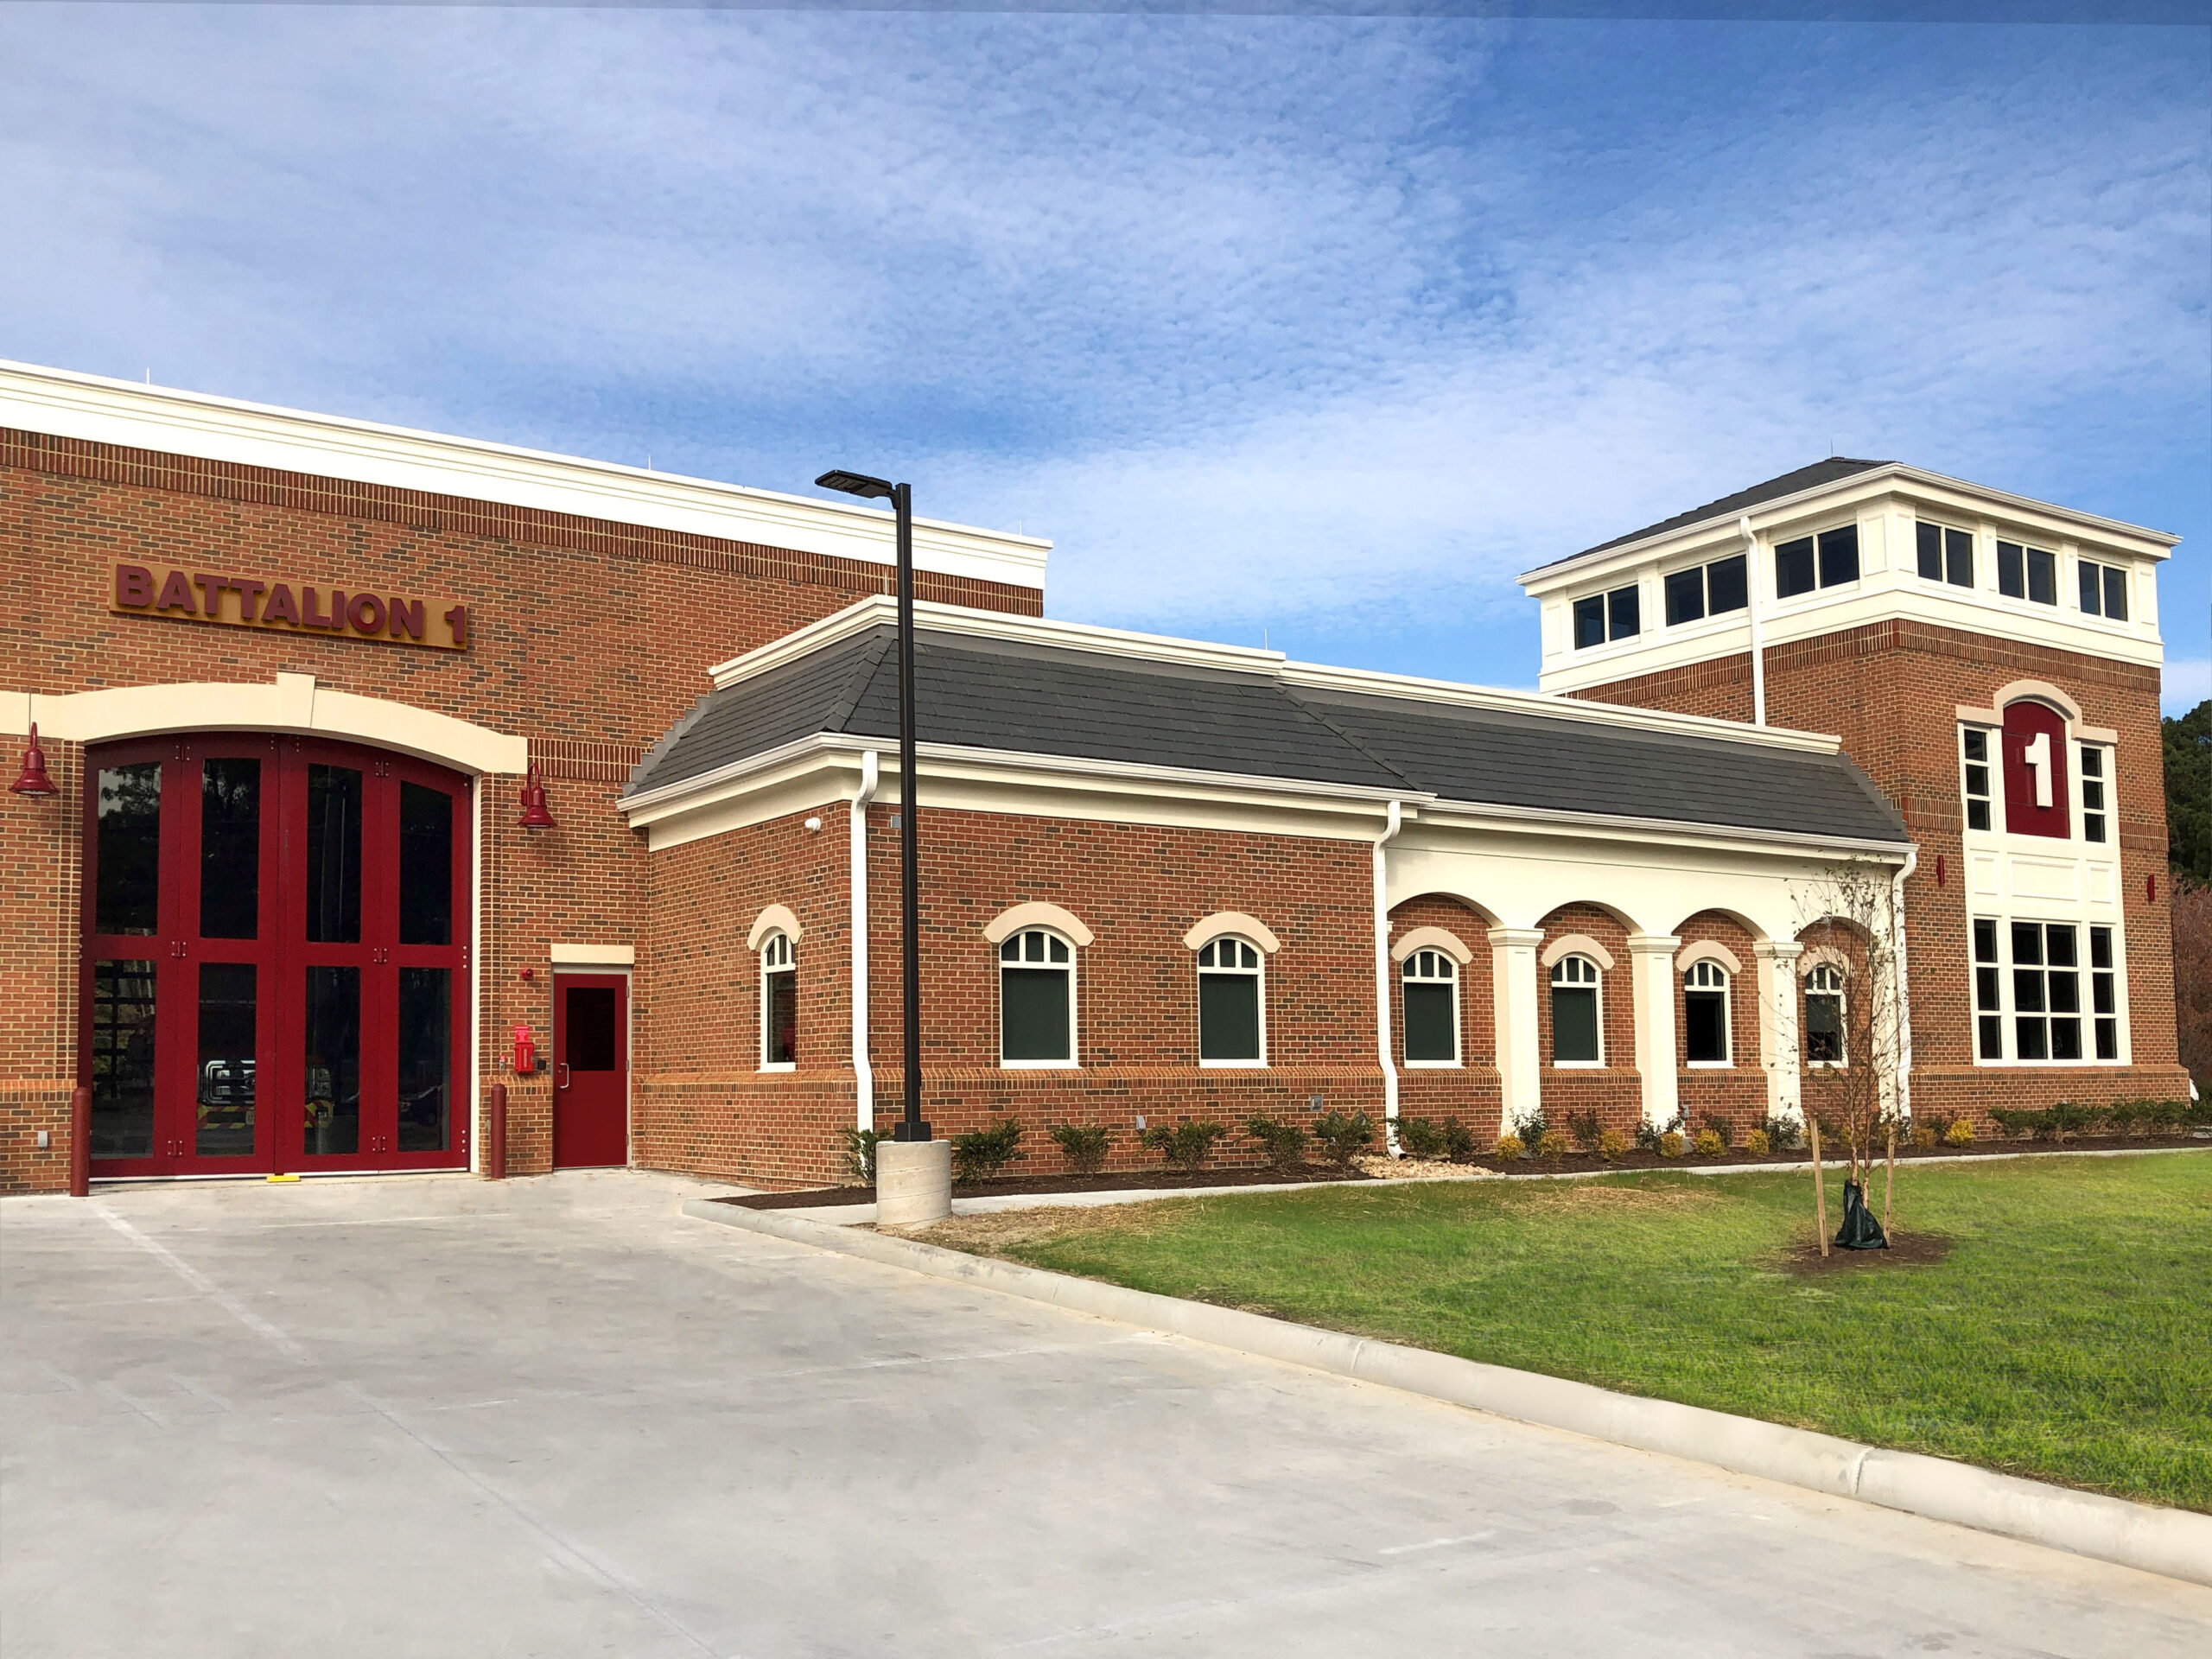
1513,990
1651,976
1777,973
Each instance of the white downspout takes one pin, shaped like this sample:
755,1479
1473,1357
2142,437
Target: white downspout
1752,598
863,1074
1903,994
1382,982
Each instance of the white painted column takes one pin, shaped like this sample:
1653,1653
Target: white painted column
1513,991
1651,974
1778,1052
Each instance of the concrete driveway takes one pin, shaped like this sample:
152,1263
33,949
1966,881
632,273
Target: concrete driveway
436,1416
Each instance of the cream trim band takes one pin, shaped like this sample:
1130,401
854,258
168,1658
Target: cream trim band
1232,921
775,918
1007,922
1708,950
1577,944
1432,938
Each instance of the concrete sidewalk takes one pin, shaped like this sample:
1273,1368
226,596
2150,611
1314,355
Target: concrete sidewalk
550,1417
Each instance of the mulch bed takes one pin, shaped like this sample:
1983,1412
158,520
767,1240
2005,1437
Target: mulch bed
1137,1180
1830,1158
1907,1250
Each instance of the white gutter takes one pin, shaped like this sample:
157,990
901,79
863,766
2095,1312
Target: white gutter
1902,989
1752,598
1396,822
863,1073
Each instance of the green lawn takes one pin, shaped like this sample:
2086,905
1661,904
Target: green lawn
2067,1335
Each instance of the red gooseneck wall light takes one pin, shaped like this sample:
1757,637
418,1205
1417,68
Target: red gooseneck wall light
32,780
534,815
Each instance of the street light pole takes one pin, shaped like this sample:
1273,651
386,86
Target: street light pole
901,497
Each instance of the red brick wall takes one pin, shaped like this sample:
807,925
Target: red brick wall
1889,689
1739,1093
1614,1091
590,638
1471,1094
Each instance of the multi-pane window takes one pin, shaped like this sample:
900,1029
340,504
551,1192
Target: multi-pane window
1707,590
1974,747
1821,560
2104,590
1432,988
1036,1000
2027,573
1616,615
1575,1012
2093,792
1705,1014
1988,996
2104,993
778,1001
1230,1025
1824,1015
2046,992
1946,555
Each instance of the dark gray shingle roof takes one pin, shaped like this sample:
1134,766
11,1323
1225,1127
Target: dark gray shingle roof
1805,478
1046,699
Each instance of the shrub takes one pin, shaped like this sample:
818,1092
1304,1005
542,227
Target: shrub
1552,1145
1343,1135
1586,1129
1284,1143
1509,1148
1924,1135
1781,1132
1611,1145
1755,1143
1709,1144
1085,1147
1718,1128
1670,1144
2164,1116
1459,1143
1188,1145
2067,1117
980,1155
858,1147
1961,1134
2018,1123
1422,1138
2121,1115
1529,1129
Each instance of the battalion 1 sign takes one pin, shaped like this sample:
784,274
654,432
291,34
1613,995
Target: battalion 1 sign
249,602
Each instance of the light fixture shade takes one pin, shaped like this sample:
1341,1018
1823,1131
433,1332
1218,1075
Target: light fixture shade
534,815
854,484
32,780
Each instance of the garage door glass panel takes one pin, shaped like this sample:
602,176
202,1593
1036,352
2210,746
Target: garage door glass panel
230,848
128,896
333,855
224,1102
425,865
123,1059
331,1052
425,1058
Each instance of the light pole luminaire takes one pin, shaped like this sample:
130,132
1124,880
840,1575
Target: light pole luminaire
901,497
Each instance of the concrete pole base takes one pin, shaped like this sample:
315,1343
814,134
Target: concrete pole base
913,1183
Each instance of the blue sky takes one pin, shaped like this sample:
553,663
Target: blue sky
1322,327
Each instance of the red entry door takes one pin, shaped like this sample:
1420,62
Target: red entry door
591,1070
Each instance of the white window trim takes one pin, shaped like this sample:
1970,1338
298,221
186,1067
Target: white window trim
1458,1061
764,942
2006,1013
1260,974
1773,543
1727,1012
1993,743
1813,961
1598,995
2109,759
1074,1061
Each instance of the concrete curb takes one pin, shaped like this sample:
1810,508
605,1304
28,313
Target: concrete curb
2176,1543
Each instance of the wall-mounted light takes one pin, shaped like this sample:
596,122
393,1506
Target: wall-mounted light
32,780
534,815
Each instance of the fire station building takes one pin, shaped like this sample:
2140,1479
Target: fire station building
358,770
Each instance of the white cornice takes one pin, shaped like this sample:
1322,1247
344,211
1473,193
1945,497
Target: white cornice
63,403
1442,814
1873,481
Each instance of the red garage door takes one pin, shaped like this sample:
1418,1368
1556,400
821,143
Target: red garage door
276,960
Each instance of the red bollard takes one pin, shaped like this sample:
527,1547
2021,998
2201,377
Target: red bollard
80,1144
495,1135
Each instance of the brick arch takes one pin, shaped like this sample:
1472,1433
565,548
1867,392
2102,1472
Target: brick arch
1615,1090
1736,1095
1470,1093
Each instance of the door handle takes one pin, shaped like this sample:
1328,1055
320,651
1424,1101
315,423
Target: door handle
564,1074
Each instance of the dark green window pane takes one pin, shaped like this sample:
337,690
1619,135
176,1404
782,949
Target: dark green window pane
2092,590
330,1051
123,1059
1929,540
1793,567
425,1058
1958,558
229,1003
128,896
1623,613
2066,1039
1228,1016
2029,1035
1574,1024
425,865
1685,596
2011,570
782,1035
1726,584
1706,1015
1429,1035
2027,944
1985,939
1839,555
1992,1037
333,855
230,848
2043,576
1589,623
1824,1027
1033,1013
2116,593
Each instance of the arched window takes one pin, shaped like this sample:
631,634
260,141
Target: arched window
1036,1000
1432,983
1824,1015
1705,1014
1232,1024
778,1004
1575,1013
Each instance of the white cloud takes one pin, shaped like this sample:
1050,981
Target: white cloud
2187,681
